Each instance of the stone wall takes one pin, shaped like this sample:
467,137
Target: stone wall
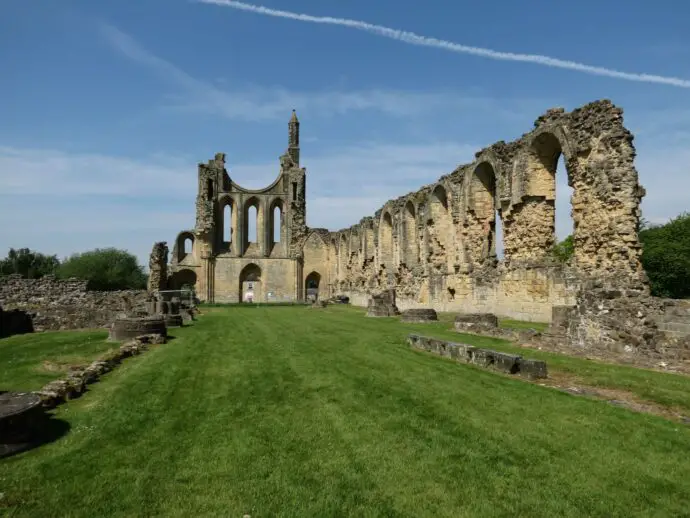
272,280
437,246
66,304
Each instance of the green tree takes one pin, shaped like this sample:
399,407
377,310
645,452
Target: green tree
28,264
564,250
106,269
666,257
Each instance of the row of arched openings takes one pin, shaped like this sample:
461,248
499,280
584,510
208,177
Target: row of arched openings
546,174
251,222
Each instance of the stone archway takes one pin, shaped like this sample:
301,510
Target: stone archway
250,284
311,286
183,279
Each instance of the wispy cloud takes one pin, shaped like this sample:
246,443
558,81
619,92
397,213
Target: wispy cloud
416,39
260,103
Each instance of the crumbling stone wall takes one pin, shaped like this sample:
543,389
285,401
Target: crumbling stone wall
56,304
215,263
437,246
158,267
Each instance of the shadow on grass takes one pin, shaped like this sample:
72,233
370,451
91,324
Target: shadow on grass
43,429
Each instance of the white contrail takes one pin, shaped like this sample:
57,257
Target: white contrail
415,39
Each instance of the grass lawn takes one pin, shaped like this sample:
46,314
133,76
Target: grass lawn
27,362
292,411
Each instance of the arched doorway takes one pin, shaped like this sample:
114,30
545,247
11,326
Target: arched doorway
183,279
250,284
311,286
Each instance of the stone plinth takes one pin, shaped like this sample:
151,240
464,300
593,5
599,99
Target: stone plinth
128,328
419,315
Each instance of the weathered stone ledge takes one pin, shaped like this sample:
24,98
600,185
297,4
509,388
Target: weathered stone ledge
74,384
503,362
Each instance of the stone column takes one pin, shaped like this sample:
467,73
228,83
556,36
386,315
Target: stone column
261,226
299,281
239,240
268,235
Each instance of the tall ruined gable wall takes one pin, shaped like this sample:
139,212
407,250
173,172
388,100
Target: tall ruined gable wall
436,246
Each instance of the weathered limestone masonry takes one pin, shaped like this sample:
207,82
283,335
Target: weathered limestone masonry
220,257
437,246
158,267
66,304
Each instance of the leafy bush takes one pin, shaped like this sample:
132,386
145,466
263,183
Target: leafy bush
666,257
106,269
564,250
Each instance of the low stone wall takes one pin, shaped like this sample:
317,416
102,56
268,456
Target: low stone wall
15,322
522,293
504,362
74,384
56,304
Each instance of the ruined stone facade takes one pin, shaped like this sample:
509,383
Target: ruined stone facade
437,246
221,259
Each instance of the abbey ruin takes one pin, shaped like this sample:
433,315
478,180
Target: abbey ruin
437,246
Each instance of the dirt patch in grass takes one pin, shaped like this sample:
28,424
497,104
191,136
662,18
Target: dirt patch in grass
617,397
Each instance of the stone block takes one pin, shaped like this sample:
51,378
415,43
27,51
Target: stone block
420,315
533,368
487,358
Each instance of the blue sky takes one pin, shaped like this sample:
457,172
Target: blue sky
107,106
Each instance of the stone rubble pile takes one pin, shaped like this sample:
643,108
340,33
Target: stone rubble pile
383,305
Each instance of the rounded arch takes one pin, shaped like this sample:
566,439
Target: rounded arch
544,150
439,230
312,283
485,203
183,279
251,223
276,228
484,195
439,194
250,283
228,221
184,245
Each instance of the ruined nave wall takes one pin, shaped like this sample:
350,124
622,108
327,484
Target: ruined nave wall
437,246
